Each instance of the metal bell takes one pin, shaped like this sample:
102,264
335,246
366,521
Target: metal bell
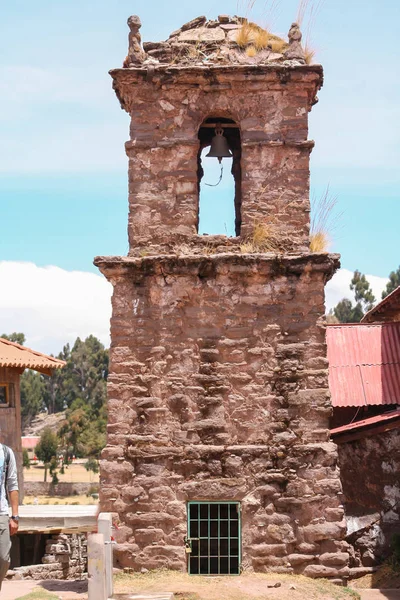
219,146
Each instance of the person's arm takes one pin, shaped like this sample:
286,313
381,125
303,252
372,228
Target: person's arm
12,487
14,511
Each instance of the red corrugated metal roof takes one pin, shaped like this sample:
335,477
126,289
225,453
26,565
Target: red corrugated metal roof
364,364
377,420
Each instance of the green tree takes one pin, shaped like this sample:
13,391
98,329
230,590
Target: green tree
26,463
345,312
46,449
84,376
83,433
17,338
362,291
33,387
92,465
394,282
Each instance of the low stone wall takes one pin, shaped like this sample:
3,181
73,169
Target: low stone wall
65,558
41,488
370,474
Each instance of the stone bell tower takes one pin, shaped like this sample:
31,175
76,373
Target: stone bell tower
218,455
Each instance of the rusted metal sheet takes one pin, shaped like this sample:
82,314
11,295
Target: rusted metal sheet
387,310
378,420
364,364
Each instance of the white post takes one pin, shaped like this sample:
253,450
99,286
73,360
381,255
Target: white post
96,567
104,526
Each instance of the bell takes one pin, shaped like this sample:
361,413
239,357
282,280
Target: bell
219,146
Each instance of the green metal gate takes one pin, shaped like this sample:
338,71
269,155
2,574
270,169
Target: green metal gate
213,542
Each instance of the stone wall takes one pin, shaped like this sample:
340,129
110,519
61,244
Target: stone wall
65,558
218,376
218,391
370,474
270,105
65,488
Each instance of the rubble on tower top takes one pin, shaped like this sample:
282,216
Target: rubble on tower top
225,41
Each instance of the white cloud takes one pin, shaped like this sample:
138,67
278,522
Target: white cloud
339,287
53,306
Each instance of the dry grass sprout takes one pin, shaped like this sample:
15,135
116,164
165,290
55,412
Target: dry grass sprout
319,242
309,54
265,238
251,51
243,36
277,44
261,39
325,221
307,14
259,36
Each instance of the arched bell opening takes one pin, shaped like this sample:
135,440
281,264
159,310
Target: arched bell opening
219,177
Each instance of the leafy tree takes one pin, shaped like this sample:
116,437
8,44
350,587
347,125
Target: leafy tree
92,465
345,312
17,338
26,463
53,470
80,388
83,433
394,282
33,387
362,291
84,376
46,449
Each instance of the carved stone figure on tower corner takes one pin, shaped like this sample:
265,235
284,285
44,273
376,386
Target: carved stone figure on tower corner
295,50
136,54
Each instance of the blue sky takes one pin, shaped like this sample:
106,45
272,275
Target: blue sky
63,170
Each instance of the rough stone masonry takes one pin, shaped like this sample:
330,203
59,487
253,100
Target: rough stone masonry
218,378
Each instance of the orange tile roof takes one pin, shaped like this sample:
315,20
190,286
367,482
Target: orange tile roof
20,357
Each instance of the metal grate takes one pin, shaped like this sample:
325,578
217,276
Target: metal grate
214,538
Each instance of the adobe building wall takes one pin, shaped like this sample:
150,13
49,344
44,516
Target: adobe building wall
370,468
218,390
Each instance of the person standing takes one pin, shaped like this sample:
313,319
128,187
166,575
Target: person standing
8,493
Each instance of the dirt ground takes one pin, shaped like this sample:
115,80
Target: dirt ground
386,577
75,473
249,586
